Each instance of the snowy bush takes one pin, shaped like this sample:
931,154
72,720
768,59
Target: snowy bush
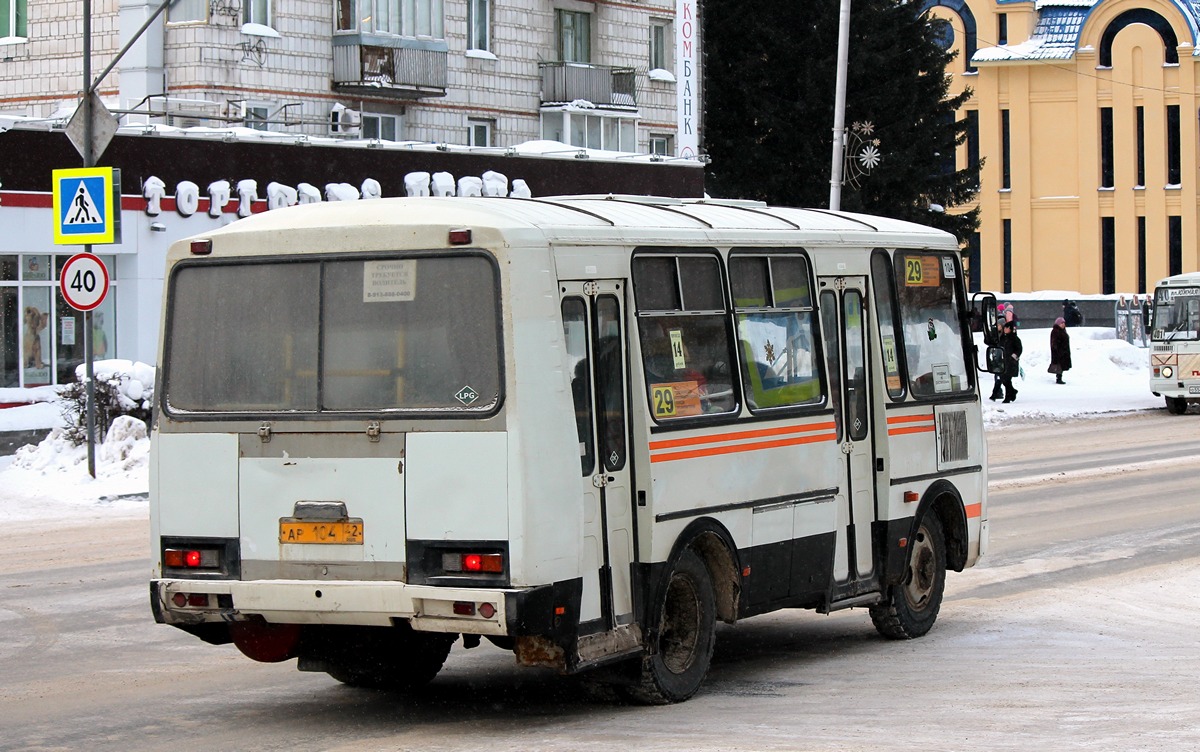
123,388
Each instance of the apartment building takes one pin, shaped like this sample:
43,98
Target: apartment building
230,107
1085,114
600,75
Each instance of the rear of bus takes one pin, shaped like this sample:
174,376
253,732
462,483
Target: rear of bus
330,475
1175,342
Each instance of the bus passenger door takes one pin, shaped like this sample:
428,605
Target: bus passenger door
844,317
594,325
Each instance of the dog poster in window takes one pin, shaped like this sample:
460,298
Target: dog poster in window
35,336
389,281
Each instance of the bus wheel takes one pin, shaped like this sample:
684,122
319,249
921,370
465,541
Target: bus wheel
1176,405
685,634
396,658
911,606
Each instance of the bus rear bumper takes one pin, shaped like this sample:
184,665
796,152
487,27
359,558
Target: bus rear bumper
431,609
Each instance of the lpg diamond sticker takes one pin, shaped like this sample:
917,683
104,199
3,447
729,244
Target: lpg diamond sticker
466,395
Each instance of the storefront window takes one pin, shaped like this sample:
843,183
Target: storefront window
35,268
43,345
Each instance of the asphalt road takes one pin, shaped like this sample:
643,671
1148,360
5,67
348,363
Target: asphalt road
1076,632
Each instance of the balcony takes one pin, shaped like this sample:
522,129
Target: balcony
377,65
602,85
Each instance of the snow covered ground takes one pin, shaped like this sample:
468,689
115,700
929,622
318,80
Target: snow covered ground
51,481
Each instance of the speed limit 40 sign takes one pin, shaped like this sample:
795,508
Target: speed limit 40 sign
83,281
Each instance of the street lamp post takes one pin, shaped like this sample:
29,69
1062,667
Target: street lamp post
839,108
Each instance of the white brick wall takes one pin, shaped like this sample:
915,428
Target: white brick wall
204,61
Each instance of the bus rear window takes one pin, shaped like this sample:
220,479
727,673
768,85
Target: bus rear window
407,334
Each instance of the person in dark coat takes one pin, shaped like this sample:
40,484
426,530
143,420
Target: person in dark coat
1060,350
1071,313
1012,360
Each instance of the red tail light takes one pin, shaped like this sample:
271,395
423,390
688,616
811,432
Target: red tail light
191,558
484,563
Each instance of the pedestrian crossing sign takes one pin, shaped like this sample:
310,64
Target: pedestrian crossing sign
87,206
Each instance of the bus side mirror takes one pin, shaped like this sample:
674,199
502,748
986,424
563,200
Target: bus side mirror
995,360
984,318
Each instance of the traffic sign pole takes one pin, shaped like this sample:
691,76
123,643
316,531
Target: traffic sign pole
83,282
89,160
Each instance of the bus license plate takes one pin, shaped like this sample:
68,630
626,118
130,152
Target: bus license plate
346,532
1194,390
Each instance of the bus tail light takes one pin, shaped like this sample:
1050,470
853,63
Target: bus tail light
472,562
191,558
460,237
201,247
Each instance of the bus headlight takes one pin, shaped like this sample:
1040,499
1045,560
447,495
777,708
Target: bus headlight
1168,372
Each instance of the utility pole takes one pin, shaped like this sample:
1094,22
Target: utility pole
839,108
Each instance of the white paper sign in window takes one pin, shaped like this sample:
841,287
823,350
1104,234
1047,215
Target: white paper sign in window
389,281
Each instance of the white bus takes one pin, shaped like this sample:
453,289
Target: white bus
584,428
1175,341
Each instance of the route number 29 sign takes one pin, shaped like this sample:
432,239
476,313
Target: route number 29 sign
83,281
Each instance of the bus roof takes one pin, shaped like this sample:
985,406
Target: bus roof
1187,278
594,219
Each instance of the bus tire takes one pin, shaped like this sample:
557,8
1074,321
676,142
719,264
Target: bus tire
911,606
684,635
1176,405
392,658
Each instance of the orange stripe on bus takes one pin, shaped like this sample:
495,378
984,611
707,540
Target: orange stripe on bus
910,429
738,435
909,418
974,510
732,448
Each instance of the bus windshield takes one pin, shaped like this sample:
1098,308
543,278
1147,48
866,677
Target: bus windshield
407,334
1177,313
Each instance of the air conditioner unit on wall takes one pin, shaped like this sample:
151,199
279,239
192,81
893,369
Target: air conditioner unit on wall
344,121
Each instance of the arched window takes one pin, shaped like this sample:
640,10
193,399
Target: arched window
1136,16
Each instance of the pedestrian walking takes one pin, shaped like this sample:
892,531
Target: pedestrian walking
1012,359
1010,315
1060,350
997,382
1071,313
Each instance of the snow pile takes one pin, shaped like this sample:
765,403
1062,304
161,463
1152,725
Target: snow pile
51,479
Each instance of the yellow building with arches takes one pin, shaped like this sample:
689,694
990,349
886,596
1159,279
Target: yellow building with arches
1085,113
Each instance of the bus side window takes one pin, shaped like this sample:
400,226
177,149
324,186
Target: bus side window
575,331
885,311
772,300
684,331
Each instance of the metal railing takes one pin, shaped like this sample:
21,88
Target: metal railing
407,71
598,84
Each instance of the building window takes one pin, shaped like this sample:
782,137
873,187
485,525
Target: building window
380,127
662,145
1175,245
411,18
1106,147
257,117
479,132
479,24
186,11
1173,173
1141,145
1108,255
1002,28
972,138
574,32
1141,254
1005,154
660,45
12,19
256,12
590,131
346,15
1007,230
43,336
